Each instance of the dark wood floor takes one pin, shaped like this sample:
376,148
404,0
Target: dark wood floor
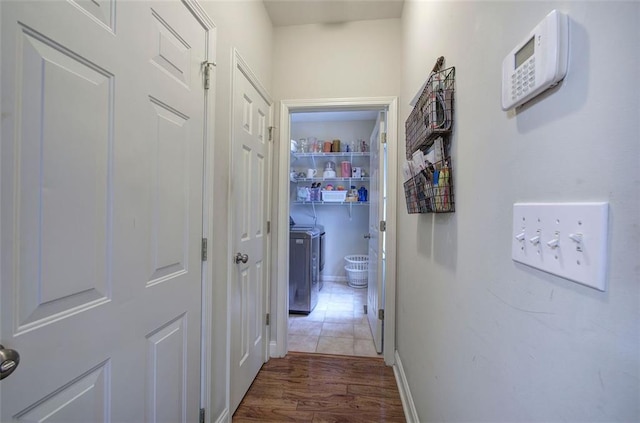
322,388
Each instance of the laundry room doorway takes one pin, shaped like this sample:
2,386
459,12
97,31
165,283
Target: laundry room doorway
338,159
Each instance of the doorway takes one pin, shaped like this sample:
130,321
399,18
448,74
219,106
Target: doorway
339,295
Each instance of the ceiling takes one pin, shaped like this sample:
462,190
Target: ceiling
302,12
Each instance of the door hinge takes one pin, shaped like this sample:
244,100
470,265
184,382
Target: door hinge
364,306
383,226
204,249
207,73
268,226
271,128
380,314
268,319
383,137
202,415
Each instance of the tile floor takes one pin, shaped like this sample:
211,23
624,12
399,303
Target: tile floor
337,325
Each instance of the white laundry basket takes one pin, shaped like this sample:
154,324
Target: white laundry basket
357,270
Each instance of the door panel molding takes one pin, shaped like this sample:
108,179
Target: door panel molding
166,373
101,11
280,273
89,390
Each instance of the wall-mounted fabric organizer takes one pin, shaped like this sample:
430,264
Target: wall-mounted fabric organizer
428,141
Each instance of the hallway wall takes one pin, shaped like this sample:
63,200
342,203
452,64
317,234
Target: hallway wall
232,19
480,337
350,59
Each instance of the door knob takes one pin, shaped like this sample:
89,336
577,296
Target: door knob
367,236
241,258
9,360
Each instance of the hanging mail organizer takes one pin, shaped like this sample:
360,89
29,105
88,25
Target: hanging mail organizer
428,134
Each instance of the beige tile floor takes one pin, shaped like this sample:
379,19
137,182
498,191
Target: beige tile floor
337,325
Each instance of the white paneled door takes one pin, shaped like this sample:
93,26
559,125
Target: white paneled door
250,156
377,213
101,220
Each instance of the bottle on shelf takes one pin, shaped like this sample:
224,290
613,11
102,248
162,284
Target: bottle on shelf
363,194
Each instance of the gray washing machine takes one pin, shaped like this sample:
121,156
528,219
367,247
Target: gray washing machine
323,245
304,269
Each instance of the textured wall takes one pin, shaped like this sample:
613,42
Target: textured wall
480,337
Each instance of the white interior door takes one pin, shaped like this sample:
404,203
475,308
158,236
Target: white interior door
250,155
101,195
377,211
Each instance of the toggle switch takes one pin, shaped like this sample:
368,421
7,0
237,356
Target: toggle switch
520,236
536,239
555,242
577,238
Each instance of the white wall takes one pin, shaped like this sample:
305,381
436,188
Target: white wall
344,233
480,337
232,19
352,59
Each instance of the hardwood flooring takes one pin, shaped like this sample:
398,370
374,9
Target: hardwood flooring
322,388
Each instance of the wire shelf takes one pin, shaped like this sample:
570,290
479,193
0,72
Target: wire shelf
430,190
432,116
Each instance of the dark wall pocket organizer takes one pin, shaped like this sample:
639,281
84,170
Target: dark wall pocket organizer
431,189
430,192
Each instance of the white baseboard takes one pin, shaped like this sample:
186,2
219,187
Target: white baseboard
327,278
224,417
408,406
273,349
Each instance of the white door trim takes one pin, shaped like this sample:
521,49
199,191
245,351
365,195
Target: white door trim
282,271
239,63
207,206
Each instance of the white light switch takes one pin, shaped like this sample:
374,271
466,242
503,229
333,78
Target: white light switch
565,239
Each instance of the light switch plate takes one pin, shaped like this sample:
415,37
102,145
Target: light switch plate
565,239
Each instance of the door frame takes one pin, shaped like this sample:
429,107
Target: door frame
279,347
207,270
239,63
